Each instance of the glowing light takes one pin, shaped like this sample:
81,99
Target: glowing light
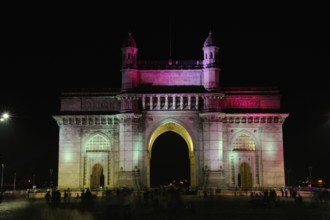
68,157
320,183
220,151
4,116
137,151
270,150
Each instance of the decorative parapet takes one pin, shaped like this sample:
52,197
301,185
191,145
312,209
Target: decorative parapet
99,104
255,118
211,102
251,98
170,64
88,104
129,102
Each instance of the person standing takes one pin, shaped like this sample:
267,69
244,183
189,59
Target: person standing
47,197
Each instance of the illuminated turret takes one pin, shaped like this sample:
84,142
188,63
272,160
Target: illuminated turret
211,64
129,64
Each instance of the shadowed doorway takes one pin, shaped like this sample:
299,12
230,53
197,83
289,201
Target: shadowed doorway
169,161
245,176
97,177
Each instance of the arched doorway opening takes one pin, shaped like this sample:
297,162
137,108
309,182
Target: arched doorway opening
245,176
169,163
181,131
97,177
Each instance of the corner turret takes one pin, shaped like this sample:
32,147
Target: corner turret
129,64
211,70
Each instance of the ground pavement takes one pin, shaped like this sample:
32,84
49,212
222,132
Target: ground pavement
164,207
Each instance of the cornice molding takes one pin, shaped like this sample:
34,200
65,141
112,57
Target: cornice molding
85,120
125,117
255,118
212,116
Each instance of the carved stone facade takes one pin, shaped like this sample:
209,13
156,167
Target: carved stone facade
234,135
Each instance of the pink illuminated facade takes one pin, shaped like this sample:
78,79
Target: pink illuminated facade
234,135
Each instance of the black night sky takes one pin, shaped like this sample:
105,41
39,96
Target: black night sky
46,51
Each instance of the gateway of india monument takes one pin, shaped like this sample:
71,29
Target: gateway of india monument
234,136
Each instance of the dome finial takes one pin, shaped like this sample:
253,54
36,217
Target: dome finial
129,41
210,40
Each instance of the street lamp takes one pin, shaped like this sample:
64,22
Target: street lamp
4,117
310,175
14,181
50,178
2,172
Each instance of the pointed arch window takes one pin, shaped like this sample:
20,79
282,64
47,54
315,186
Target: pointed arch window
244,143
98,143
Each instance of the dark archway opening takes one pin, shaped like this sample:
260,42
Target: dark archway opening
245,175
97,177
169,162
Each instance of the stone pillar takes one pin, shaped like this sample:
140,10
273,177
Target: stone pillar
158,102
69,161
166,102
197,102
189,102
212,141
181,102
151,99
130,149
272,155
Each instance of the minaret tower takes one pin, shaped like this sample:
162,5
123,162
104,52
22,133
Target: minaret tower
129,64
211,64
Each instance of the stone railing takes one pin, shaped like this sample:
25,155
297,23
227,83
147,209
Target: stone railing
170,102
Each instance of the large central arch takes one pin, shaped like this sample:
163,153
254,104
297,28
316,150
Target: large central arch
177,128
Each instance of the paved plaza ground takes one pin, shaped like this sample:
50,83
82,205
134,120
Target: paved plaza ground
173,207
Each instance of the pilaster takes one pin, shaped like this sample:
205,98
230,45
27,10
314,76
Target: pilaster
130,149
212,142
